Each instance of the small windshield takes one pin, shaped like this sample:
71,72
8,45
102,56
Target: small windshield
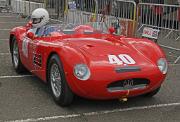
99,26
96,27
89,28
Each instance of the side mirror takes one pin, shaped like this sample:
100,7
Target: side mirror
111,30
30,35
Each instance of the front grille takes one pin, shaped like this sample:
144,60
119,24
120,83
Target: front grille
128,84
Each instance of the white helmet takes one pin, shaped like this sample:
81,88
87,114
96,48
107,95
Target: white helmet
40,17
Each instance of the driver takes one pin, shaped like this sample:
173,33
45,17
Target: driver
40,19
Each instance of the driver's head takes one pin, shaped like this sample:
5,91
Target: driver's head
40,17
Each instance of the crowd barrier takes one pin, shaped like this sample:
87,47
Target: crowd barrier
55,8
159,16
106,11
24,7
3,3
4,6
160,21
83,11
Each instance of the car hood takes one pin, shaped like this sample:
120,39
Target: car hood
98,50
100,47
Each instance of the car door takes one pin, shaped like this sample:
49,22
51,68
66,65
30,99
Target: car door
34,52
35,55
37,52
25,46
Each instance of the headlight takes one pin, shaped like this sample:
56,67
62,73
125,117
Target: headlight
163,66
82,72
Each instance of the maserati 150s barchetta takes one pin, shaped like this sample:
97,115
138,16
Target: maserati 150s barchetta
87,61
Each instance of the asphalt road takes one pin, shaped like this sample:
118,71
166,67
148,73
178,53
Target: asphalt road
25,98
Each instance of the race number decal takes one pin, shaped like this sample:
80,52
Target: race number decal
121,59
25,44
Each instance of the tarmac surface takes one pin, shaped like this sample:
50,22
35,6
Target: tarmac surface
25,98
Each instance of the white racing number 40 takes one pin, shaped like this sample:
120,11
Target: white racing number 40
121,59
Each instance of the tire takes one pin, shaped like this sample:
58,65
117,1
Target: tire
152,93
60,90
16,61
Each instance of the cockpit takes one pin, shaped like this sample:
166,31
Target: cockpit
64,29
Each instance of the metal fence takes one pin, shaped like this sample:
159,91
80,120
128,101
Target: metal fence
80,12
4,6
24,7
160,16
169,2
3,3
164,19
83,11
152,1
107,11
55,8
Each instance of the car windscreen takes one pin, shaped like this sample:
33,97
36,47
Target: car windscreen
89,28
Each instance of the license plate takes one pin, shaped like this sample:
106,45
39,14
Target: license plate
128,83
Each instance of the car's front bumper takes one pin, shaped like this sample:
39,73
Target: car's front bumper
97,87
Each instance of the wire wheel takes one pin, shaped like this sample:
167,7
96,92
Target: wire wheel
55,79
15,54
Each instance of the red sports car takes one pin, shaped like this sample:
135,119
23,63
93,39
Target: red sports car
87,61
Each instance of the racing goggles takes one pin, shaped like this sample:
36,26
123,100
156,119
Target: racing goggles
36,20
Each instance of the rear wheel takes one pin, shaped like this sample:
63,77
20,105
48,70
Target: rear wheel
152,93
18,66
61,92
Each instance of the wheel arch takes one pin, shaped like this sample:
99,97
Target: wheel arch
11,41
70,81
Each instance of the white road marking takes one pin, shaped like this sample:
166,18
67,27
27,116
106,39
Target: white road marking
174,64
16,76
7,16
178,58
175,56
172,48
12,22
5,29
2,54
5,39
95,113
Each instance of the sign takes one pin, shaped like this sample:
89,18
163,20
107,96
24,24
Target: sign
150,33
72,5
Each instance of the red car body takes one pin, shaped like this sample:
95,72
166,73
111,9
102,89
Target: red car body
93,50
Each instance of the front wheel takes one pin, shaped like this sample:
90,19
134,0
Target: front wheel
61,92
18,66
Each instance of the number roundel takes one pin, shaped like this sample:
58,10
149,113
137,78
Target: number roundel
121,59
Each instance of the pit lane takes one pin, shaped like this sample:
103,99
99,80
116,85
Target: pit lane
24,97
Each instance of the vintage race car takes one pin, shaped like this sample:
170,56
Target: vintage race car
87,61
